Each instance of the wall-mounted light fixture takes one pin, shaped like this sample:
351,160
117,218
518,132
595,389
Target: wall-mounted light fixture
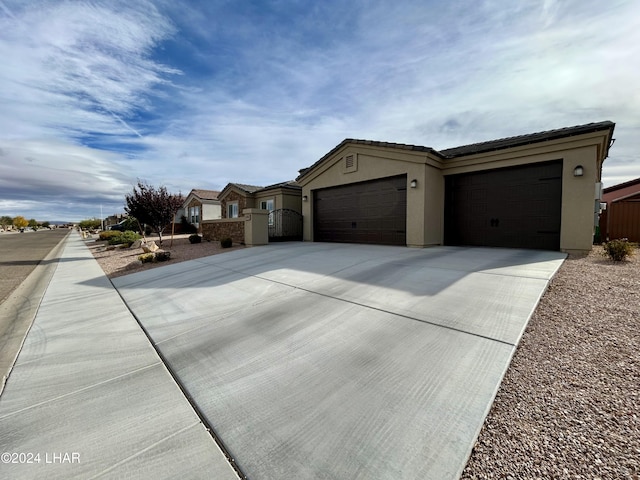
414,183
305,198
578,171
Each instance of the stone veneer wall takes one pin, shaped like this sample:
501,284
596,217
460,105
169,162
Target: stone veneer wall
219,229
233,197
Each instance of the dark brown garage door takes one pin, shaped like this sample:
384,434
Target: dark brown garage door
507,207
366,212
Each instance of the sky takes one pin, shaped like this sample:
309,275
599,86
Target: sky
95,95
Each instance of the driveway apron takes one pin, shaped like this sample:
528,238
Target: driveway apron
327,361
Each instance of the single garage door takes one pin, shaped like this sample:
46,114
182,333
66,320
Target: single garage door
508,207
365,212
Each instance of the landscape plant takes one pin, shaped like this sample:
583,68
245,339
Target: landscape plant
20,222
154,206
195,239
618,249
125,238
226,242
108,234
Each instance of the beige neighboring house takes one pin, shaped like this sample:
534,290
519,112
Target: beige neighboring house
200,205
235,197
540,190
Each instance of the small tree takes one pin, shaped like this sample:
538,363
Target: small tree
5,221
154,206
33,223
20,222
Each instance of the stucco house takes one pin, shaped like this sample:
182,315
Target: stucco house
200,205
539,190
282,200
621,216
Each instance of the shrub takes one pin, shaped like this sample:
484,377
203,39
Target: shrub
125,238
618,249
146,257
195,238
226,242
163,256
108,234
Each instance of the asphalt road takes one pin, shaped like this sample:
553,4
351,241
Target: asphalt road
21,252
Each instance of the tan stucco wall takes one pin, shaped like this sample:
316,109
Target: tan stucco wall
578,193
283,198
426,202
211,211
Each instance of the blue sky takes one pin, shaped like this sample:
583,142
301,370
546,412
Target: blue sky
196,94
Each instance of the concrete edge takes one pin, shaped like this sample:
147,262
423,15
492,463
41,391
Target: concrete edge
176,379
22,306
513,352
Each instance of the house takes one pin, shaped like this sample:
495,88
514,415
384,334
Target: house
621,216
201,205
283,200
529,191
235,197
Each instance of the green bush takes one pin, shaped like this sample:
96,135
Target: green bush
195,238
108,234
146,257
124,238
226,242
618,249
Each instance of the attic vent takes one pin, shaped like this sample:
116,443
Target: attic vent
349,161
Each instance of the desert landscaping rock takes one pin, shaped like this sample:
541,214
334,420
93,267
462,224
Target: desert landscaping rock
569,404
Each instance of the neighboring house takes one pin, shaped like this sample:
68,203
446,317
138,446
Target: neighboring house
200,205
235,197
283,201
114,219
530,191
621,217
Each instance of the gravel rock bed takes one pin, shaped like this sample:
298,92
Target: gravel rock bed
123,261
569,405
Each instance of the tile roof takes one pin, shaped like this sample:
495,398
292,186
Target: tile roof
247,188
288,184
205,194
519,140
481,147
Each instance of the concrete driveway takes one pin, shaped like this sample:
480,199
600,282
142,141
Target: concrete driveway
328,361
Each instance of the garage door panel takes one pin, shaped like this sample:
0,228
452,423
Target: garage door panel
367,212
509,207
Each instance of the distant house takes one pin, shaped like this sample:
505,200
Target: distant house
200,205
621,217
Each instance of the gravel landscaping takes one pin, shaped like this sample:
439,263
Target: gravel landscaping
123,261
569,404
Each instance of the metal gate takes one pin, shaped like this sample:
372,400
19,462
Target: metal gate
285,225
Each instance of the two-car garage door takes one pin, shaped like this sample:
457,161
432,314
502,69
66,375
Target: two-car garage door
507,207
364,212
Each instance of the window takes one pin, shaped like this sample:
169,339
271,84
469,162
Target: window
194,215
232,210
267,205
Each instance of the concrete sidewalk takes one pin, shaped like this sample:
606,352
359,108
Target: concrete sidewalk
89,397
